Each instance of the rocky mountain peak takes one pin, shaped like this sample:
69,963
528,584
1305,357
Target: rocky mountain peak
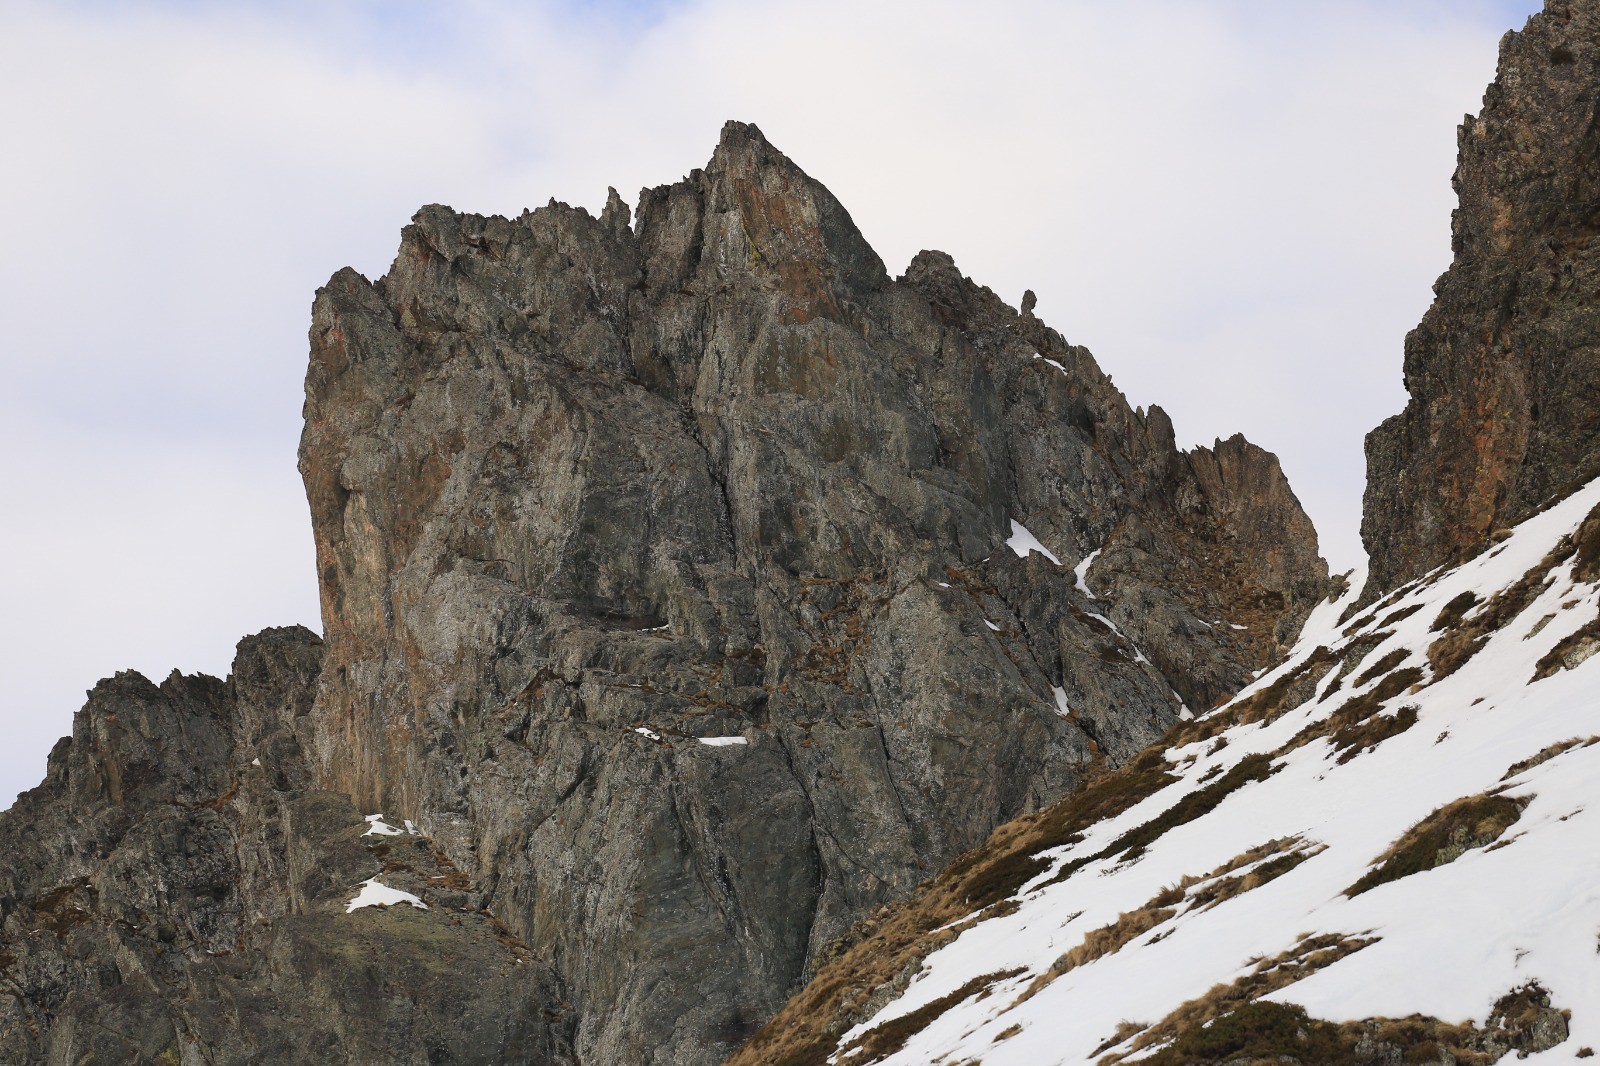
1504,367
711,530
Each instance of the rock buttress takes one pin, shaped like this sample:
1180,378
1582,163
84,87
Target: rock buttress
1504,369
664,574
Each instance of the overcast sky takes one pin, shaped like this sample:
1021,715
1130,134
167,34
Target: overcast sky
1238,205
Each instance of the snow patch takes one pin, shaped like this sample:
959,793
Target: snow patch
991,625
1061,701
1082,572
644,732
377,827
722,742
376,894
1022,542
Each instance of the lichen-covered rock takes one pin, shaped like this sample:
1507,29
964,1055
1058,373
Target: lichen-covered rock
1504,369
590,492
173,892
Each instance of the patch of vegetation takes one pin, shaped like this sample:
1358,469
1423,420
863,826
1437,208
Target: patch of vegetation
1452,613
1399,616
1220,889
63,909
1358,738
1545,755
1443,837
1350,726
1273,1032
1194,805
1311,954
1381,667
884,1040
1260,1032
1461,641
1571,652
1109,939
1586,566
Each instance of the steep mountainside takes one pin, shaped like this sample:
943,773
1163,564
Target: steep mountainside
691,588
700,587
1395,830
1504,369
1379,852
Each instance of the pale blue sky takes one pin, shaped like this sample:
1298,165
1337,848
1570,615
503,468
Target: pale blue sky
1239,205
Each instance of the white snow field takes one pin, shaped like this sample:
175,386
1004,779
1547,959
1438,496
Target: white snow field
1447,941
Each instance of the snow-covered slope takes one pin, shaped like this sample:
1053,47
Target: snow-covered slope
1152,922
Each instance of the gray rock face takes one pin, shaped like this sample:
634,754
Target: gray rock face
589,493
174,892
1504,369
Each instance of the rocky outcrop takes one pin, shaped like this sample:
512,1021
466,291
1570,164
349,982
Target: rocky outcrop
176,892
666,580
1504,369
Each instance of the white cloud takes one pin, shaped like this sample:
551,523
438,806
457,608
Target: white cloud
1239,206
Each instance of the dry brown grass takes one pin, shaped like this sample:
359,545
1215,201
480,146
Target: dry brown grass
1544,756
1218,888
1442,837
1462,637
1381,667
1283,1033
1570,651
1208,890
1452,613
1305,958
1106,940
1357,726
1587,565
884,1040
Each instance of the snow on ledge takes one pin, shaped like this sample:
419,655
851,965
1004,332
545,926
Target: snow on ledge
1022,542
722,742
375,894
1082,572
377,827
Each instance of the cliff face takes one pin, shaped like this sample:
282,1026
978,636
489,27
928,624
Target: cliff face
666,578
176,890
1504,369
